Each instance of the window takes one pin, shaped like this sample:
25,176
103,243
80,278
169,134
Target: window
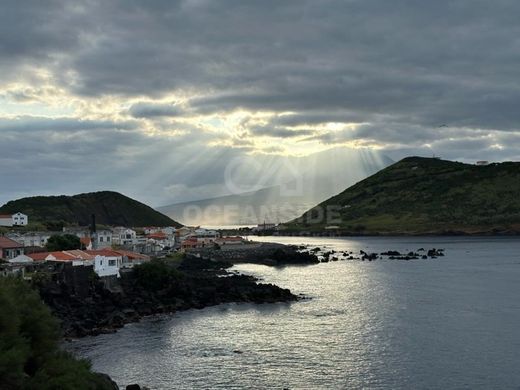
100,239
112,263
108,239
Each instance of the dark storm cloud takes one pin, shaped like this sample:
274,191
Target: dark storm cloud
423,62
30,124
421,77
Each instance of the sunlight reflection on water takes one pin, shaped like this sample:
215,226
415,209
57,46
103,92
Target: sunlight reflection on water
446,323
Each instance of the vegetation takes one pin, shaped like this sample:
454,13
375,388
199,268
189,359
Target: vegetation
30,357
175,259
110,208
422,196
156,275
63,242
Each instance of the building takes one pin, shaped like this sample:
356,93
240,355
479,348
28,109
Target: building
190,243
163,240
264,227
206,236
6,220
132,258
169,230
9,249
236,240
86,243
20,259
482,162
102,239
124,236
32,238
16,219
20,219
106,262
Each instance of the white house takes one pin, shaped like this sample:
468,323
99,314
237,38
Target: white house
124,236
107,262
17,219
102,239
32,238
206,236
20,219
169,230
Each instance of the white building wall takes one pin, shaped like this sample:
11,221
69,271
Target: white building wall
104,239
20,219
107,265
6,221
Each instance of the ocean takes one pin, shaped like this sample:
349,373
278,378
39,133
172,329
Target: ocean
446,323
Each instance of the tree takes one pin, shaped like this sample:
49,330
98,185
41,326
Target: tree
30,357
63,242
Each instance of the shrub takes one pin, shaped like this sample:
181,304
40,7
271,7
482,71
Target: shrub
30,357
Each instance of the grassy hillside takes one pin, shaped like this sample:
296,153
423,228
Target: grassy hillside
110,208
425,195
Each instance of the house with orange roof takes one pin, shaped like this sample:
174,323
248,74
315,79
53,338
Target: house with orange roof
235,240
191,243
86,243
107,262
132,258
9,249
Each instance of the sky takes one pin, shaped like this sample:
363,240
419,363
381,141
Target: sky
155,98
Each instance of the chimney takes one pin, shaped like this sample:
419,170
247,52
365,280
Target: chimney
93,234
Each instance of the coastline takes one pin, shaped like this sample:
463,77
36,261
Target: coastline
90,308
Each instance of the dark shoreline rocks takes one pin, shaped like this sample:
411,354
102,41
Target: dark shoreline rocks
198,283
266,253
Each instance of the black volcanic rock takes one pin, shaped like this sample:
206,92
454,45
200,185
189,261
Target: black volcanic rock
103,311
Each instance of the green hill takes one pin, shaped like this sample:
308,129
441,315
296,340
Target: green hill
424,196
110,208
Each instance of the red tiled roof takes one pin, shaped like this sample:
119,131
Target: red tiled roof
8,243
85,241
5,216
38,256
132,255
63,256
59,256
104,252
157,236
80,255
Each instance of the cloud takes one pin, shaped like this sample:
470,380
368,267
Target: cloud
151,110
278,132
123,92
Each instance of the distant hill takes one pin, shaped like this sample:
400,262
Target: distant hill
290,186
424,196
110,208
250,208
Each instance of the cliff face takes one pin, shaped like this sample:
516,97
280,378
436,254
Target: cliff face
424,196
110,208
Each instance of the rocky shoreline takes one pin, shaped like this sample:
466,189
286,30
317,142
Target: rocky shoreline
266,253
155,289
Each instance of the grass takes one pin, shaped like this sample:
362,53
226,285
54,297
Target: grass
424,195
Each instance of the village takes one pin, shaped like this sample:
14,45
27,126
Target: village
108,250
